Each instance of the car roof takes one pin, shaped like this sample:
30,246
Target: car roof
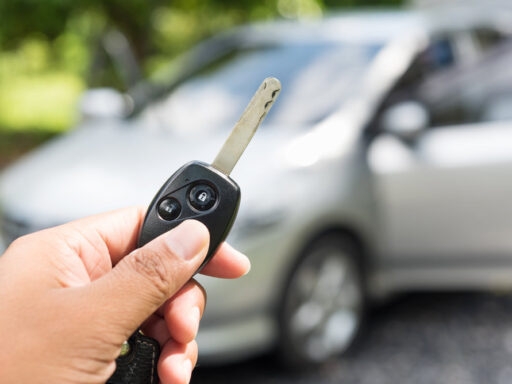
380,25
376,26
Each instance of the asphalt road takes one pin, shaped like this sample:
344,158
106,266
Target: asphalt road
417,339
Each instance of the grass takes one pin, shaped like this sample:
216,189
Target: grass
33,109
44,102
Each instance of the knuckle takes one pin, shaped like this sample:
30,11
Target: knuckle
152,266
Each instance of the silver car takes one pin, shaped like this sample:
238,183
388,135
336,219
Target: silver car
386,166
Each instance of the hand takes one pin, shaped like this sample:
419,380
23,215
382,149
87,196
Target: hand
71,295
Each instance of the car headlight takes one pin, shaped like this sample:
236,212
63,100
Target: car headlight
266,211
251,223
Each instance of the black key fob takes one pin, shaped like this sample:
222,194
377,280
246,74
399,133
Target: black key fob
196,191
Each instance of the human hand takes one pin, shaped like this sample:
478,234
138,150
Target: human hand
71,295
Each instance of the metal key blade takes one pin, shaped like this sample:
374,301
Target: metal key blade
245,128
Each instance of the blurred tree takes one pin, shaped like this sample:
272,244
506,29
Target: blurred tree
22,18
89,19
149,25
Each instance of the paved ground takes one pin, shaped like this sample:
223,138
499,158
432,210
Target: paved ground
418,339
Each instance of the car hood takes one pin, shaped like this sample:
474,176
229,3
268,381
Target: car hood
115,164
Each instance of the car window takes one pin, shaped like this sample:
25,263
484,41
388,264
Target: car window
437,57
428,81
487,91
482,86
466,87
316,79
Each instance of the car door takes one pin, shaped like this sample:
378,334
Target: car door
444,196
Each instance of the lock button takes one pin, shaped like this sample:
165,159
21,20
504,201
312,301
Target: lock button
202,197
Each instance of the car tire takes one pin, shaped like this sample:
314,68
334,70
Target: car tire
323,304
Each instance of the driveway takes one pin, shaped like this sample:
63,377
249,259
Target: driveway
450,338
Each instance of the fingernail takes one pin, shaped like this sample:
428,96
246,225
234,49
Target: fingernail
195,318
188,239
187,367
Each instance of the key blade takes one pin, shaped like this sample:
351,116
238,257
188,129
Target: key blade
245,128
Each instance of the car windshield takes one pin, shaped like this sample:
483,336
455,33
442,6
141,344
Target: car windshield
316,80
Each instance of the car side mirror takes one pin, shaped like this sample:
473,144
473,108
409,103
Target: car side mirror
406,120
103,103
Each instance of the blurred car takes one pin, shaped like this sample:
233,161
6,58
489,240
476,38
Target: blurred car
385,166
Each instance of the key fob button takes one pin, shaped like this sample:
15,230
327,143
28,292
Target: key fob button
169,209
202,197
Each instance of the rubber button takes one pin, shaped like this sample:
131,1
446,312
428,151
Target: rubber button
202,197
169,209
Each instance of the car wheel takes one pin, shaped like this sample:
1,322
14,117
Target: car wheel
323,303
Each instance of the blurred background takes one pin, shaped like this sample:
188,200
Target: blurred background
382,250
53,52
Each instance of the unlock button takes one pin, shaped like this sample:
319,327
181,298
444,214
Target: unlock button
202,197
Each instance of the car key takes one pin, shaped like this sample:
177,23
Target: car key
202,192
206,192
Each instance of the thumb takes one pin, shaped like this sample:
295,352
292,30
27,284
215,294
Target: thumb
143,280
